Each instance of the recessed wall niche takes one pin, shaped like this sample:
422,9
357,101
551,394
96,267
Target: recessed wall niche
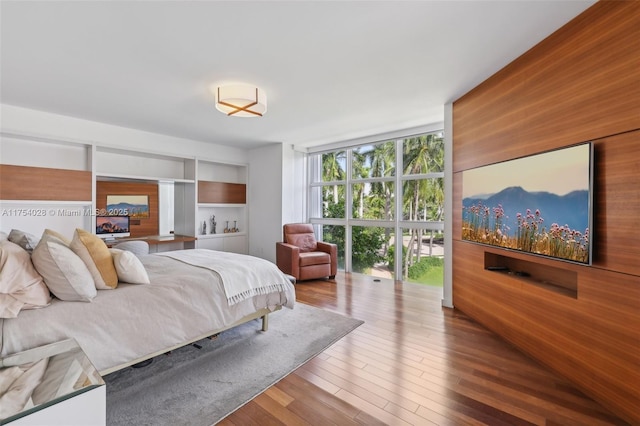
139,227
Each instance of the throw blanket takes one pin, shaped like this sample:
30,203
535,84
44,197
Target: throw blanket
242,276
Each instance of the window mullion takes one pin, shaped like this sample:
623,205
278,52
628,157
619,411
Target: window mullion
399,211
348,213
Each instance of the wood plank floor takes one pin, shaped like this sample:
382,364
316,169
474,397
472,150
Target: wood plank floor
414,363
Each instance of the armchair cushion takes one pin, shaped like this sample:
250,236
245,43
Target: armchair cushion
314,258
304,241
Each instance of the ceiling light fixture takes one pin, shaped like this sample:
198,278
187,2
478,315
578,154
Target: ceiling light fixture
240,100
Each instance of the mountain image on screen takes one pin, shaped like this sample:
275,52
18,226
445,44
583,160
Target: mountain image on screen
571,209
109,227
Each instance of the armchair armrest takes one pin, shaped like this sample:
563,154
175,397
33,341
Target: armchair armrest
332,249
288,259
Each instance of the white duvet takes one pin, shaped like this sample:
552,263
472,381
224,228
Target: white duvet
132,321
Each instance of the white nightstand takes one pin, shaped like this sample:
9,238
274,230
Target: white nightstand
55,384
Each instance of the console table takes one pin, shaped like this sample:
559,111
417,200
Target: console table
159,243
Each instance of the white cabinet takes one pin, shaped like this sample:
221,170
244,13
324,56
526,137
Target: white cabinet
235,243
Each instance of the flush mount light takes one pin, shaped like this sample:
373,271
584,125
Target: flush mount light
241,100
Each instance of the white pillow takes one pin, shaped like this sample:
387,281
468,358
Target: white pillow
24,239
63,271
3,236
129,268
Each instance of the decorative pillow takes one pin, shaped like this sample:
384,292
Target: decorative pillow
63,271
59,236
95,255
21,287
3,236
23,239
130,269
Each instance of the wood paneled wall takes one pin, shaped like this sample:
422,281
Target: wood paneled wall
580,84
40,183
139,227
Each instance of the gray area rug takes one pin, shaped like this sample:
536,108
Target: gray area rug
194,386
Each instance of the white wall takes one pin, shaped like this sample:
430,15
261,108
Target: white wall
266,200
34,123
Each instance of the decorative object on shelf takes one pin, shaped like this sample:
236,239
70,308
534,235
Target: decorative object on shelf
232,230
204,227
213,223
241,100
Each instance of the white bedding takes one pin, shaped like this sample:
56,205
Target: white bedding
242,276
132,321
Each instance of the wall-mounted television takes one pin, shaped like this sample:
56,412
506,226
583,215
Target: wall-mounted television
112,227
540,204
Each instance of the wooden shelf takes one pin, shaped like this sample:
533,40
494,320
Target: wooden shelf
561,281
221,192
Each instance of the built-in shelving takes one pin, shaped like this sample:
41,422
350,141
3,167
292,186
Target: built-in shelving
221,192
64,178
558,280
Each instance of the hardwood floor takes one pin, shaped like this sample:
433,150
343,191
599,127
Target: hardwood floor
414,363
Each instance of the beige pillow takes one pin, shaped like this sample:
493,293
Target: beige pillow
21,287
130,269
58,235
96,256
63,271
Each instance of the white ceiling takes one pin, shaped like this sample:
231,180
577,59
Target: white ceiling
332,70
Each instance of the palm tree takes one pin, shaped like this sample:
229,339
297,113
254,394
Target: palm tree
382,158
421,155
333,170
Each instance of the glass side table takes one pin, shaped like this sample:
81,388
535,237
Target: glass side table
55,384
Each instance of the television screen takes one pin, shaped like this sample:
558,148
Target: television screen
112,226
539,204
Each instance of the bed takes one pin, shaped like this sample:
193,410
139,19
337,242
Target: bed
185,301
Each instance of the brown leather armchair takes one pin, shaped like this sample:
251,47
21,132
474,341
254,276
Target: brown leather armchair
301,256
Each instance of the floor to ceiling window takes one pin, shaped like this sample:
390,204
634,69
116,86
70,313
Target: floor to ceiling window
382,204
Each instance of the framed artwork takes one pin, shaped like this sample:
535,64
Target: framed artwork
134,206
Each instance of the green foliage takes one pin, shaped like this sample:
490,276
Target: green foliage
391,257
367,242
335,210
429,270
